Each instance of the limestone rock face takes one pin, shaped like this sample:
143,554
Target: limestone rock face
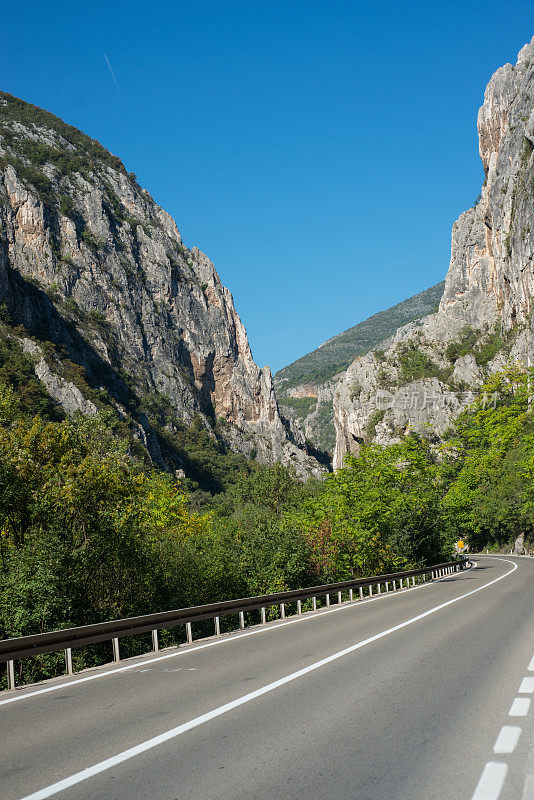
91,263
489,291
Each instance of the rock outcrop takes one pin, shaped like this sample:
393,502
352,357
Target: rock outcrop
431,367
305,388
90,263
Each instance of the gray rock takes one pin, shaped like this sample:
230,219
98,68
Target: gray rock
100,267
466,370
64,392
490,284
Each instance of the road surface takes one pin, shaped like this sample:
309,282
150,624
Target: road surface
399,696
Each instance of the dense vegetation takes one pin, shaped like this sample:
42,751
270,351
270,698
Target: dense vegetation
89,532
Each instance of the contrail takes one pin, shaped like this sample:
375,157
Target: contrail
405,260
115,80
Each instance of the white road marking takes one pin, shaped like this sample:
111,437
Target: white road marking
507,739
520,707
491,781
531,665
527,686
172,669
218,642
149,744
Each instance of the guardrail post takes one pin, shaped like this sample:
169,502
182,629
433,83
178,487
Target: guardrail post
282,610
188,632
387,586
241,620
351,595
394,586
378,588
314,603
327,599
116,651
263,617
10,674
299,606
155,643
370,589
68,660
217,626
339,600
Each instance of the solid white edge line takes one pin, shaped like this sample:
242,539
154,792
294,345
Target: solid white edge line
520,707
231,637
491,781
149,744
527,686
507,739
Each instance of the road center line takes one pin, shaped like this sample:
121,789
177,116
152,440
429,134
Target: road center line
507,739
527,686
491,782
520,707
149,744
232,637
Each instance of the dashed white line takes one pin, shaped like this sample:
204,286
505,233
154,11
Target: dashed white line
527,686
507,739
491,781
531,665
520,707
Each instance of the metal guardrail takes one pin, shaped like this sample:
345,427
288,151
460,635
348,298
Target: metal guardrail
53,641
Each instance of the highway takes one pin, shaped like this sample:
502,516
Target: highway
399,696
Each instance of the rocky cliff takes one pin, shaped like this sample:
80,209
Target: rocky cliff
113,308
305,388
428,373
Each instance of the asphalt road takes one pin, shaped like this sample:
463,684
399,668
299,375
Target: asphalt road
400,696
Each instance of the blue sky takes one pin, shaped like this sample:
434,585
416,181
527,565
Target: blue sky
317,152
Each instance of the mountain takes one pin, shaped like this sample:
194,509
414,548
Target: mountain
114,312
427,374
305,387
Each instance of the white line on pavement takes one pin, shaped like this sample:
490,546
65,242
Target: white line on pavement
183,651
491,782
520,707
507,739
527,686
531,665
149,744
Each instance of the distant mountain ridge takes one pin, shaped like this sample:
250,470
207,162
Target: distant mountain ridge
304,388
337,353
